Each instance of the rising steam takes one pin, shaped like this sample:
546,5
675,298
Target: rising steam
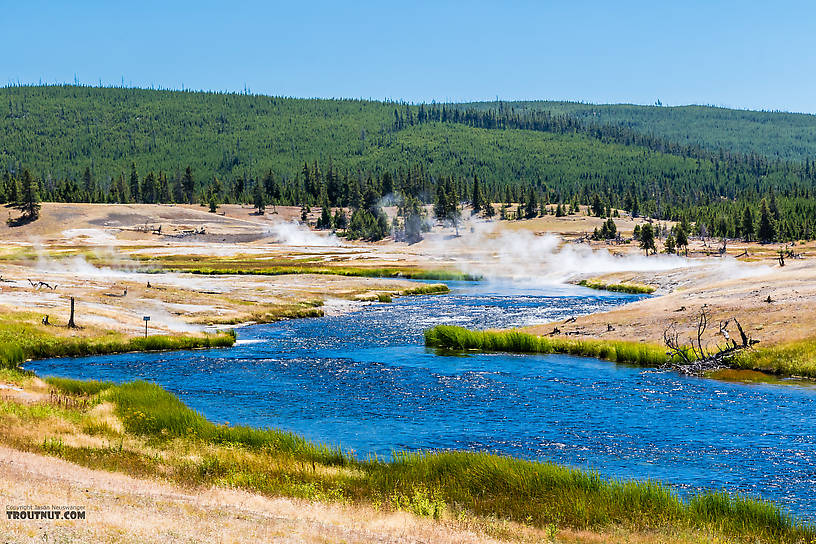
526,257
295,234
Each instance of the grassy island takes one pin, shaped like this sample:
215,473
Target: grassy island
459,338
632,288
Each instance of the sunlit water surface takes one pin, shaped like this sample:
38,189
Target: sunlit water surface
365,381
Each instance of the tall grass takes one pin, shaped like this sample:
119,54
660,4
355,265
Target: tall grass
459,338
633,288
78,387
21,340
148,409
433,289
791,359
544,493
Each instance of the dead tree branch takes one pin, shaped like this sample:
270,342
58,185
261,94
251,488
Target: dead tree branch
696,358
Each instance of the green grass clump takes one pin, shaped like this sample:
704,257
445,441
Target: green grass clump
791,359
545,493
633,288
78,387
434,289
148,409
459,338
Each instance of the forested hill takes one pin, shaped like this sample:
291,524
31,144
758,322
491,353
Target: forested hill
58,131
788,136
69,143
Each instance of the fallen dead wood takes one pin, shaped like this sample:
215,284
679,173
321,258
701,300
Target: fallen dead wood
696,358
39,284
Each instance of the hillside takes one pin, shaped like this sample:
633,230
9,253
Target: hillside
788,136
59,131
80,142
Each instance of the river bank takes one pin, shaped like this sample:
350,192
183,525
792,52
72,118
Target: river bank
142,429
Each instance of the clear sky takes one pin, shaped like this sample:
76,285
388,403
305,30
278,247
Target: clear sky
758,55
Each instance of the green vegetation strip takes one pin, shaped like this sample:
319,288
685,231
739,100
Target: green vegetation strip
411,274
634,288
791,359
22,341
459,338
429,483
794,359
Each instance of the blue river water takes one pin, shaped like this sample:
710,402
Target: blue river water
365,381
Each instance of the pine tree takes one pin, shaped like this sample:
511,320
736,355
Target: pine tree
681,236
773,207
647,240
149,188
270,186
441,207
355,196
259,199
135,189
325,213
30,201
477,202
597,206
14,191
88,184
188,184
610,229
531,207
490,211
747,224
671,245
766,232
340,219
414,216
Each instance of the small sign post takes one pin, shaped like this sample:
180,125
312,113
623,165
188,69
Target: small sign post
146,319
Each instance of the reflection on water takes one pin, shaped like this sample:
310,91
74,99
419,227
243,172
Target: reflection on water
365,381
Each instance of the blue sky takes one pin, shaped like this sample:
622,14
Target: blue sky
757,55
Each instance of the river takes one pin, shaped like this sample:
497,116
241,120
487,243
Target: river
365,381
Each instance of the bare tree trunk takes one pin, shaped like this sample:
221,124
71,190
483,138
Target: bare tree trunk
71,323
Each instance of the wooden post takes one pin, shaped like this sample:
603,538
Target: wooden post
71,323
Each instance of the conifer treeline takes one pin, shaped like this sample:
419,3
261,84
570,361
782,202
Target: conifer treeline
791,214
